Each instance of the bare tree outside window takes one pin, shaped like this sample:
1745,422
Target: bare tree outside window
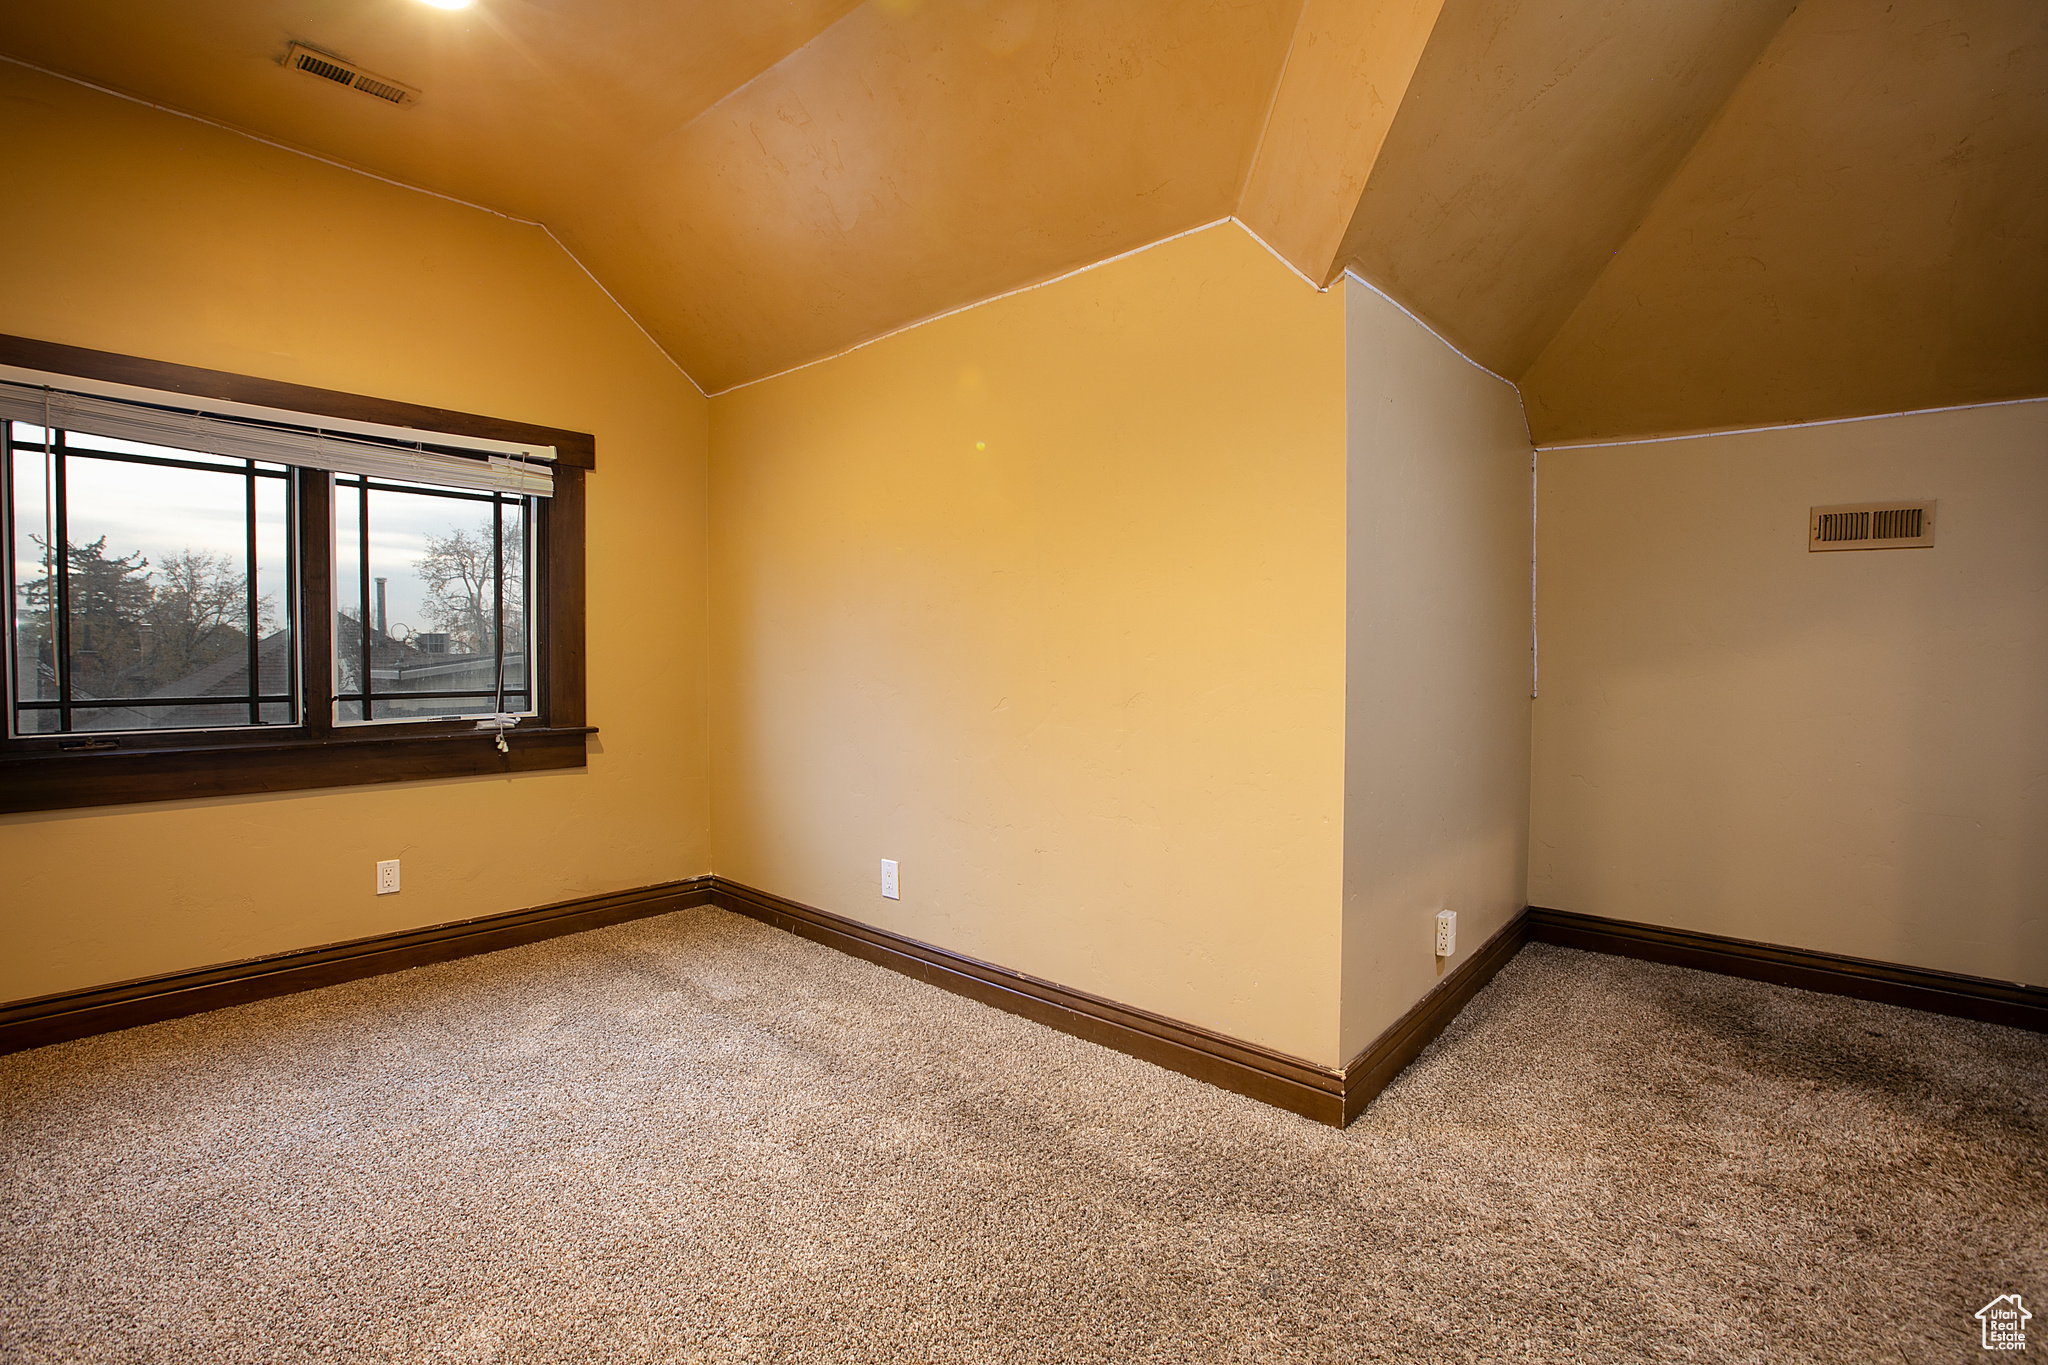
428,578
461,581
196,611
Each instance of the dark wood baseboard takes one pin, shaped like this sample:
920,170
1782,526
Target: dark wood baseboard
1302,1087
1388,1055
148,1000
1246,1068
1964,997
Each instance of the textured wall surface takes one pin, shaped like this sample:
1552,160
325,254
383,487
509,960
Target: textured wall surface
1046,601
135,231
1840,751
1436,712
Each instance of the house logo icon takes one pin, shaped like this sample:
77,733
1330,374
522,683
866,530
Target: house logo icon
2005,1323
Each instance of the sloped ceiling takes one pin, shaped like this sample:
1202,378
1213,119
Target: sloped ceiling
759,184
1527,151
1863,229
526,103
1654,214
907,161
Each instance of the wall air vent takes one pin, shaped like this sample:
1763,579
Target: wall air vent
1870,526
329,67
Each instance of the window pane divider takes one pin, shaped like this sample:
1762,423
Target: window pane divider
498,603
315,564
296,619
59,551
255,641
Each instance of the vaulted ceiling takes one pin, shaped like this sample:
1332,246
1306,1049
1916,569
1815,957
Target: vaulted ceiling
1656,215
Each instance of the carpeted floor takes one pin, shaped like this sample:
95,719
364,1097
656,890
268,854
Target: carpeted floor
697,1138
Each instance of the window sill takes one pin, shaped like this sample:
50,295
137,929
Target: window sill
32,782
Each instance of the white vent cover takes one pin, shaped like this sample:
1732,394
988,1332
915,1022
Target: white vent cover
1870,526
329,67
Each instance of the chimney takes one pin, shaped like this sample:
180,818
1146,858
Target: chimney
382,624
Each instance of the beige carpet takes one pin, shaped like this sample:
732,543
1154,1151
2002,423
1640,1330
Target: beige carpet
697,1138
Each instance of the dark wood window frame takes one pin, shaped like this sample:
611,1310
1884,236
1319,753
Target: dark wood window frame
40,773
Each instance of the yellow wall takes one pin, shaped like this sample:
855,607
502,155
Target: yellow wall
1046,600
137,231
1436,736
1838,751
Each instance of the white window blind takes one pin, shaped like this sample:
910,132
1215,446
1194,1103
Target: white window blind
307,447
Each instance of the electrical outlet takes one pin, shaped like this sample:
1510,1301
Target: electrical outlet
387,877
889,880
1446,932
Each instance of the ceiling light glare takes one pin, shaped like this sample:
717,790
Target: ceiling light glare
447,4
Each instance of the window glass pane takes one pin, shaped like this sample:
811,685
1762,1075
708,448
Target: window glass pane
157,602
414,485
399,705
205,717
85,440
434,603
348,600
30,570
274,586
518,589
158,592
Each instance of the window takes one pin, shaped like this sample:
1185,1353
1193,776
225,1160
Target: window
150,586
220,584
439,577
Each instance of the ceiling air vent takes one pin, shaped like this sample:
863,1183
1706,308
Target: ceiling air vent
1870,526
329,67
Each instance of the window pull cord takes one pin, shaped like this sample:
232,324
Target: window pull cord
499,719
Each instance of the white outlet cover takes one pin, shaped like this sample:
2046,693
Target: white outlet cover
889,883
1446,932
387,877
